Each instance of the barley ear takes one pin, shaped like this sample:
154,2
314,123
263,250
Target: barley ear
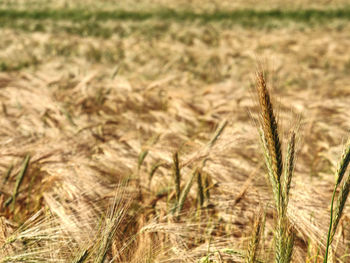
176,168
342,197
255,240
141,158
268,162
217,133
269,127
185,192
344,162
19,181
279,241
206,185
153,170
289,169
200,189
8,173
289,246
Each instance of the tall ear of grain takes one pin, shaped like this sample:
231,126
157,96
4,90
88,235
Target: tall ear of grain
200,189
269,126
344,192
343,196
268,161
273,156
288,173
113,220
177,179
289,245
185,191
255,240
344,162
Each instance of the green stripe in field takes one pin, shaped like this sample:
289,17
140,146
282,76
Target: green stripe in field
238,16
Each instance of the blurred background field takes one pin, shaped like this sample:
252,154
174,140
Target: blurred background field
102,92
203,5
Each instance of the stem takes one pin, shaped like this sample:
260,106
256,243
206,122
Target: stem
330,226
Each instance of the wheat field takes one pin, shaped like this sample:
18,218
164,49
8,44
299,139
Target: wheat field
174,131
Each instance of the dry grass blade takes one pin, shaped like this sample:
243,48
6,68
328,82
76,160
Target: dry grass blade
39,239
4,251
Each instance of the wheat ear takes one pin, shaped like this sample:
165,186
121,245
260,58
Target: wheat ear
185,191
255,240
200,189
274,162
177,175
269,127
289,169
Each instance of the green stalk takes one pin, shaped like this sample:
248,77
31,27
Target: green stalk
330,227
